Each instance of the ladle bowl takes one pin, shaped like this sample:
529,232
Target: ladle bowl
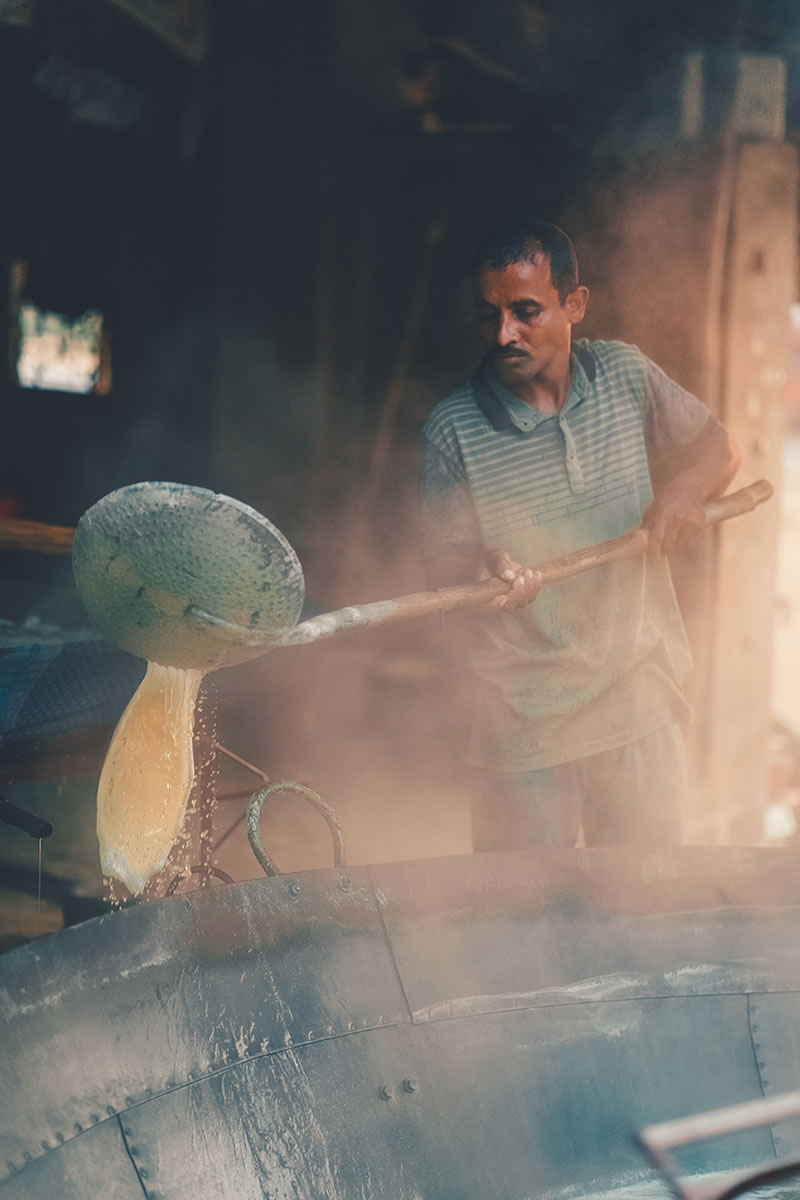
146,556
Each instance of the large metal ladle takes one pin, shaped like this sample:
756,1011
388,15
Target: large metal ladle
187,578
149,556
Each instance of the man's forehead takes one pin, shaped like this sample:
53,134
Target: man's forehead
518,280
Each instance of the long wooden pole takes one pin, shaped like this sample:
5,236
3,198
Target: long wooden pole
34,535
469,595
57,539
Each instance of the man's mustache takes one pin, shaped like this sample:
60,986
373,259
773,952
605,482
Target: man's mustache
502,352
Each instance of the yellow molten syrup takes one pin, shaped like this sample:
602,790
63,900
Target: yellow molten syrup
147,776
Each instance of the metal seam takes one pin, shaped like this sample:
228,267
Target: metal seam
390,944
535,1007
396,1024
761,1081
132,1159
232,1066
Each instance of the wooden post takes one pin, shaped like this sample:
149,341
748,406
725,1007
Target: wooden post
755,340
696,266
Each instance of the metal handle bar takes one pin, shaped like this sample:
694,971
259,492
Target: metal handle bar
254,817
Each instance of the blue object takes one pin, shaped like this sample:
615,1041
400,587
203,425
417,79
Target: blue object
63,688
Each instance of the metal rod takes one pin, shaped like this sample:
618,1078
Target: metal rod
28,822
721,1120
242,761
659,1140
39,892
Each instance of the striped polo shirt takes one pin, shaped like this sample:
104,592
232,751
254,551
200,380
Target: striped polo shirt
597,661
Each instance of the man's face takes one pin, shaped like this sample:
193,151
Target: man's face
523,322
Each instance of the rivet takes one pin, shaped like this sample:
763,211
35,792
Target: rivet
60,1138
170,1083
410,1084
142,1173
294,889
754,1028
148,1091
133,1151
345,883
78,1128
45,1145
110,1110
27,1155
386,1091
129,1101
94,1118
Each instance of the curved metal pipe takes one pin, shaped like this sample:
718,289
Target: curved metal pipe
314,799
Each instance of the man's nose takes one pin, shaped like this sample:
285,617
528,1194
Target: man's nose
506,330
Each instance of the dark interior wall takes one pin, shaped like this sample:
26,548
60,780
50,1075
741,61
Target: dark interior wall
118,218
272,80
112,207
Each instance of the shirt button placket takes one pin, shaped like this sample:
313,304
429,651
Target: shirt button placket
574,472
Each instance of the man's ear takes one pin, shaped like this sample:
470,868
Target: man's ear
575,304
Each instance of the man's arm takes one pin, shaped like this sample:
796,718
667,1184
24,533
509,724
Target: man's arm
692,459
452,547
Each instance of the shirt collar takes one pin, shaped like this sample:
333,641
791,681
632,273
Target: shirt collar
505,410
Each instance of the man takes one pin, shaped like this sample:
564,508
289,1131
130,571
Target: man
551,446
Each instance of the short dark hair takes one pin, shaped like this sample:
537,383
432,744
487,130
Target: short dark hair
528,241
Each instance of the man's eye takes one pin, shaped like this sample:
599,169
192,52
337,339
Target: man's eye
527,314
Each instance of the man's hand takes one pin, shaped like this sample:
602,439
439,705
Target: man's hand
674,517
525,583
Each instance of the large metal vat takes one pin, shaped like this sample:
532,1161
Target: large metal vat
493,1027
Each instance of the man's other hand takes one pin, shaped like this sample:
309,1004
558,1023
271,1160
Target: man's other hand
673,518
525,582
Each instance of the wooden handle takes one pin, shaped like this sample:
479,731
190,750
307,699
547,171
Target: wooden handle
743,501
468,595
34,535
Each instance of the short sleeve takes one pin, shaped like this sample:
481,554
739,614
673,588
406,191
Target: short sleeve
674,419
449,523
